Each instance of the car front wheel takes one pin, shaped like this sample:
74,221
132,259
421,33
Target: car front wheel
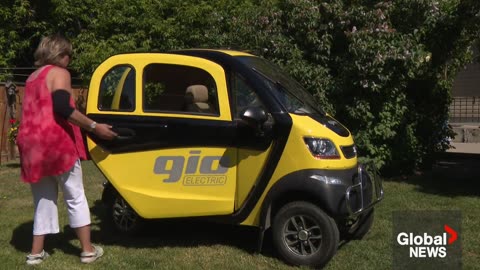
303,234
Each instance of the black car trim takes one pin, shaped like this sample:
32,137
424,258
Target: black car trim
329,196
143,133
331,124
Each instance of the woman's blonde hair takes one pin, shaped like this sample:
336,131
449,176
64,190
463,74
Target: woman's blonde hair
51,50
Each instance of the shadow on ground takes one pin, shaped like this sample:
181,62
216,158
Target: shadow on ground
454,174
22,240
179,233
158,233
155,234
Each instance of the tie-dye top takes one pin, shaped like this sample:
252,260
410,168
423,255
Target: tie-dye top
48,144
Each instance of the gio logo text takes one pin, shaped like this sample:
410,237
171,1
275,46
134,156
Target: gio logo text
197,170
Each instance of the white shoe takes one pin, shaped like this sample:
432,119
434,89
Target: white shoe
34,259
89,257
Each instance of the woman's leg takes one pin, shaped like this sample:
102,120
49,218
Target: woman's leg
77,205
45,219
37,244
83,234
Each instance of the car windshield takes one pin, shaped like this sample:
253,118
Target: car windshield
288,91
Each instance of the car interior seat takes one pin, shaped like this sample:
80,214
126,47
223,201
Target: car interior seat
196,99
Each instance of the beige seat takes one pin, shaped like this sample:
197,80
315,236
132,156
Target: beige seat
196,99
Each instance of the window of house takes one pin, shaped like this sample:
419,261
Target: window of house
117,90
176,88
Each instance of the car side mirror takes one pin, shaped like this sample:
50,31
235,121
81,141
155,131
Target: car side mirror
254,117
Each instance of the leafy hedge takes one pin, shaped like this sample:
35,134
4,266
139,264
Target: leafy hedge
383,68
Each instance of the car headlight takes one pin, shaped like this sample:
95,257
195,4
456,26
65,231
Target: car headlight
322,148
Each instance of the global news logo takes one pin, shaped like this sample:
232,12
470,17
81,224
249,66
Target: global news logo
428,246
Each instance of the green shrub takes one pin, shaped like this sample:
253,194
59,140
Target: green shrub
383,68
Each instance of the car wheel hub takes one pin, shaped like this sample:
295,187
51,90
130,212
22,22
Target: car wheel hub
302,235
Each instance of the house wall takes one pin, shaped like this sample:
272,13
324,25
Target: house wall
465,106
467,82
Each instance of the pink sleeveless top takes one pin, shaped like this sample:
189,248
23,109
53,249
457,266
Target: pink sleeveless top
48,144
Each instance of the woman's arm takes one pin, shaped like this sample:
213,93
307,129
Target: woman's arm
58,79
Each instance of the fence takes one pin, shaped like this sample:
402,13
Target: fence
8,150
465,110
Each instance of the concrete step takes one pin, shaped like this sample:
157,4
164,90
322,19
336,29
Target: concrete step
465,148
466,133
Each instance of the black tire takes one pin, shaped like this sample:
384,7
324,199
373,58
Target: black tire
304,235
360,228
122,216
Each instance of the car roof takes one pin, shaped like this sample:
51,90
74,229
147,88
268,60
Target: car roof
225,51
224,57
192,51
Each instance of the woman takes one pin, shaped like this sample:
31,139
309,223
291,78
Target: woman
51,147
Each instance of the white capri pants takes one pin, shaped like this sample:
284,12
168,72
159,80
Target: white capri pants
45,194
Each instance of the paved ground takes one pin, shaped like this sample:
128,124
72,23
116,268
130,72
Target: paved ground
462,162
467,148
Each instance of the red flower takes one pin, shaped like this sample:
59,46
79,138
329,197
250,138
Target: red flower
12,121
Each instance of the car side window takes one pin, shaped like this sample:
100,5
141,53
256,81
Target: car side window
244,95
117,90
179,89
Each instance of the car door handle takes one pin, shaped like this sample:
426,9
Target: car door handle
124,133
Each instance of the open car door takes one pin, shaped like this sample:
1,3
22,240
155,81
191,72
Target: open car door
174,155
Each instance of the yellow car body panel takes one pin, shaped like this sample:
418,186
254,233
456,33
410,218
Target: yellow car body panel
151,197
250,166
297,157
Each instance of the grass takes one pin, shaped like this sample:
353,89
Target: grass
187,245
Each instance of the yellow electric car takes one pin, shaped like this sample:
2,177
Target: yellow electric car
227,136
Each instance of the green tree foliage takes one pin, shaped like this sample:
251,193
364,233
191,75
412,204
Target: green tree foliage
20,24
383,68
